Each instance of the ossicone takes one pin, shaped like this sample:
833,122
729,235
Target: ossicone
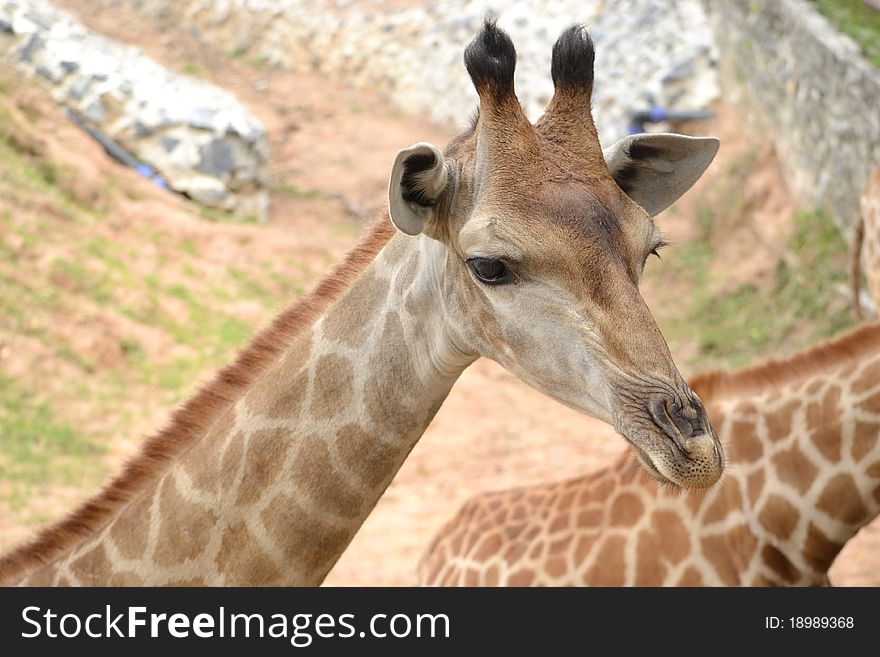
490,60
573,59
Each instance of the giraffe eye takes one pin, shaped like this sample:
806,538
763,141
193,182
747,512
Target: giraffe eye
490,271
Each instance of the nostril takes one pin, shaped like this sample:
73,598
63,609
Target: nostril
660,414
667,416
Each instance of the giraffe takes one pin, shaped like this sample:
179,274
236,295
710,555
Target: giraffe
522,243
865,246
803,478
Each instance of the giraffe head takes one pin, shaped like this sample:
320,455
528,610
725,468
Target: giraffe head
537,241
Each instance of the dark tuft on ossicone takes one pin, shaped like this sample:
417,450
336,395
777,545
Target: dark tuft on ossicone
490,60
573,58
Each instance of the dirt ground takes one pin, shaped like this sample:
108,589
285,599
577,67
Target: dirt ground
493,431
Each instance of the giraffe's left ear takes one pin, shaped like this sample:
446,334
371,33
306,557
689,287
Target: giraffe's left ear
654,169
418,178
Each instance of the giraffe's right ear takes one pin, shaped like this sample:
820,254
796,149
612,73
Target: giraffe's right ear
418,178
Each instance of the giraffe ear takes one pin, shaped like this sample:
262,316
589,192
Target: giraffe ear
418,178
654,169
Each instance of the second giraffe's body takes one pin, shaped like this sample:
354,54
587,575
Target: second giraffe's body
865,245
804,477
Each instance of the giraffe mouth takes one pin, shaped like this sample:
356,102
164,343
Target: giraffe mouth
648,464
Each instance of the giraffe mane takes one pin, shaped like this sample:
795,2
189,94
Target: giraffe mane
721,383
193,418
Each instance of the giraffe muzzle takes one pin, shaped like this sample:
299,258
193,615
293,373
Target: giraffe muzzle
681,447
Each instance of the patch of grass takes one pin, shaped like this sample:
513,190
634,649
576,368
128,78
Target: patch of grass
19,138
286,285
193,68
248,286
29,177
291,190
802,306
256,61
107,252
858,21
73,357
221,216
36,446
132,349
96,285
189,247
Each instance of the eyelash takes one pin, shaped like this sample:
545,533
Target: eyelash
657,248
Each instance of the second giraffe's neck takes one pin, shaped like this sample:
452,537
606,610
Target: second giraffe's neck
803,443
806,457
276,490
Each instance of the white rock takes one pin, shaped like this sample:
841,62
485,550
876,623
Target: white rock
219,149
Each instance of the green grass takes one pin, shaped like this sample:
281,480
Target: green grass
189,247
30,174
83,279
289,189
802,305
193,68
857,20
36,446
62,271
219,215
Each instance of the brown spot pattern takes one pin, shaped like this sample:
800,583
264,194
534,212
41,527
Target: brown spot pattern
779,516
333,387
690,577
387,399
795,469
755,485
304,539
826,414
650,569
92,568
353,326
129,530
819,550
779,421
864,438
745,445
607,568
241,561
674,539
717,553
367,457
626,509
779,564
184,534
328,491
203,462
282,396
841,499
263,463
868,376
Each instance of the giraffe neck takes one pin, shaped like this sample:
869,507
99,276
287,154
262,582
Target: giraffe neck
277,488
808,460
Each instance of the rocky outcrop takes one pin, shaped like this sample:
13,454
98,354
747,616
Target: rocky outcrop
805,87
414,55
200,139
